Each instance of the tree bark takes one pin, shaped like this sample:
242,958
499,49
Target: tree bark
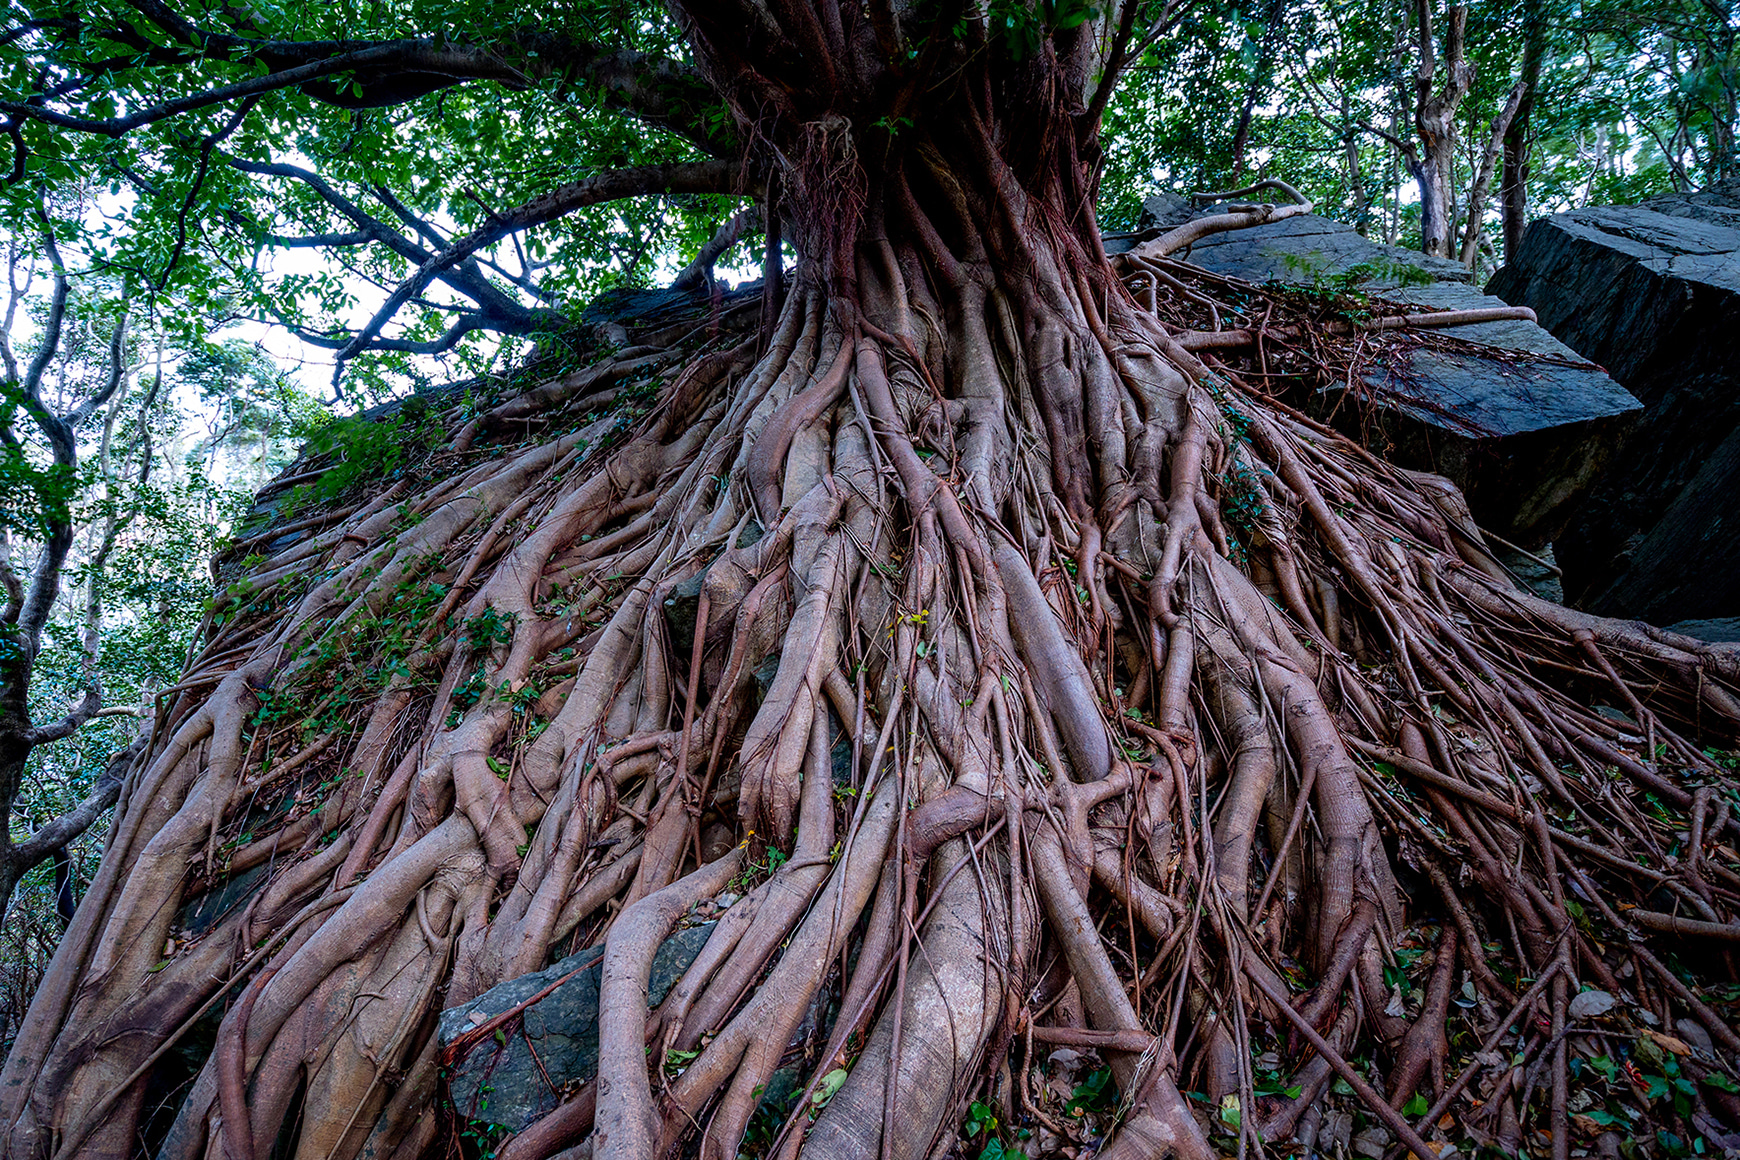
1434,167
1513,186
1476,223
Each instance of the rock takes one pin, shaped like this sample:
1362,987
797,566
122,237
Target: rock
1523,440
1714,631
1537,571
1165,210
1310,249
1524,437
1651,291
199,915
499,1081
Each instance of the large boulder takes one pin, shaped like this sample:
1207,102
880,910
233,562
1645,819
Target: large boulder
1518,420
1653,292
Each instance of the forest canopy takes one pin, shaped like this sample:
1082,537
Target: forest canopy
367,138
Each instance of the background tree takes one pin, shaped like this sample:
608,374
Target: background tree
1633,102
109,517
1051,677
42,489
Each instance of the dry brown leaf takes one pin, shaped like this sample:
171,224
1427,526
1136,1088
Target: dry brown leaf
1668,1042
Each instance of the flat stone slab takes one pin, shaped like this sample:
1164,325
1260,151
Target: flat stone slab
1524,430
1651,291
1309,248
523,1071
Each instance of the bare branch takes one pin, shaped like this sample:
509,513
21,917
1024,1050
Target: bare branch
45,578
49,344
651,87
1256,187
700,270
312,241
465,279
427,232
1405,148
117,375
9,583
14,295
103,795
1483,177
1115,61
456,63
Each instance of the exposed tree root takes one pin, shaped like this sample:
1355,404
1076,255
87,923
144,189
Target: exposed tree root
1169,712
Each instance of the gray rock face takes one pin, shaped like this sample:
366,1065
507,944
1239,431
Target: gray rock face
1653,292
1715,631
1524,428
523,1071
1309,248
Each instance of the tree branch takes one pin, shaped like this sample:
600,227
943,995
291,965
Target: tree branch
700,270
1114,67
615,185
117,373
455,64
45,577
1483,177
466,280
77,820
1405,148
313,241
651,87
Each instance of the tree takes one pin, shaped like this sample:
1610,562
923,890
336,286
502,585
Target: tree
1160,699
1432,160
110,535
41,499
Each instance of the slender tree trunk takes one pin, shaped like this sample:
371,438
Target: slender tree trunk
1356,183
1258,84
1483,175
1514,185
1435,122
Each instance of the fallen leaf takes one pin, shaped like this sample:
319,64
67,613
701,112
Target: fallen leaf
1590,1004
1669,1042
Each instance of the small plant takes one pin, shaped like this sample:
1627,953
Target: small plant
1096,1093
487,629
982,1125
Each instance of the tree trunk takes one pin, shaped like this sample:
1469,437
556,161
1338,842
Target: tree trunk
1434,169
1513,185
1476,223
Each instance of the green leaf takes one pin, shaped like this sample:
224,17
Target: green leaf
827,1087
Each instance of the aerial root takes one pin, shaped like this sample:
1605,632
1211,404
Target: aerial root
1236,745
